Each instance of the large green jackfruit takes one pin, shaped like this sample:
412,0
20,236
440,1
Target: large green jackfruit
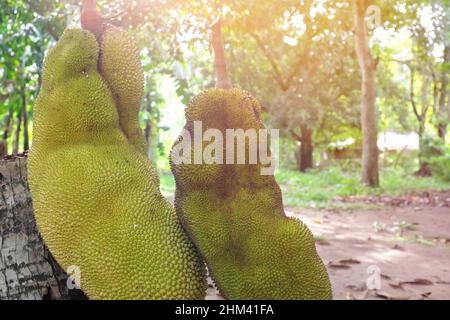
235,215
96,196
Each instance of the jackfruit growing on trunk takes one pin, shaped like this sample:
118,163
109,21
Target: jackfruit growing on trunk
96,196
235,215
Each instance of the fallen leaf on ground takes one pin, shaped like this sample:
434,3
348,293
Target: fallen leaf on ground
422,296
388,296
385,276
396,285
419,282
336,265
349,261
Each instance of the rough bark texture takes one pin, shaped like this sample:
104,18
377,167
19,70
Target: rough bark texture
27,269
3,148
17,134
4,143
368,65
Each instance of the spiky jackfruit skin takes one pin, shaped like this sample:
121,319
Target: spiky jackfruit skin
235,215
128,89
96,197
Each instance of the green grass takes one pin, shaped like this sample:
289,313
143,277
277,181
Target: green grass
322,188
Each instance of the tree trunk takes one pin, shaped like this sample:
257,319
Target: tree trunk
442,131
4,142
306,149
27,269
444,101
17,136
368,65
26,142
220,63
424,169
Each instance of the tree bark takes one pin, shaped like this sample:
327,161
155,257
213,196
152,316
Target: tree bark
444,101
26,141
4,142
368,65
27,269
424,170
220,63
18,130
7,125
421,116
306,149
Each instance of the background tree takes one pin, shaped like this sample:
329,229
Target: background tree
300,63
368,65
299,47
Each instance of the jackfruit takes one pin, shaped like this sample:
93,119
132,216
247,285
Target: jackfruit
128,89
235,215
96,196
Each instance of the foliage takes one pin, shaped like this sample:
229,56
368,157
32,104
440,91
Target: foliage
24,35
440,162
326,187
441,166
296,57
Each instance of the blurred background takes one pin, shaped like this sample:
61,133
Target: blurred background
297,57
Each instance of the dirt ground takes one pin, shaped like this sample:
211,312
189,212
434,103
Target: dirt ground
401,251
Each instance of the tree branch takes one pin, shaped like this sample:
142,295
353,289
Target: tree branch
275,67
411,94
301,60
48,25
220,64
405,62
295,136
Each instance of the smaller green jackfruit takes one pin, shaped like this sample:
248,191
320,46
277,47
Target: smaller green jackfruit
235,215
96,196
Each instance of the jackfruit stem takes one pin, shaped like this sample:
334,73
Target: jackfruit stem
91,19
220,65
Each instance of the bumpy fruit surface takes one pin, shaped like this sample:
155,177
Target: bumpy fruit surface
96,196
235,215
